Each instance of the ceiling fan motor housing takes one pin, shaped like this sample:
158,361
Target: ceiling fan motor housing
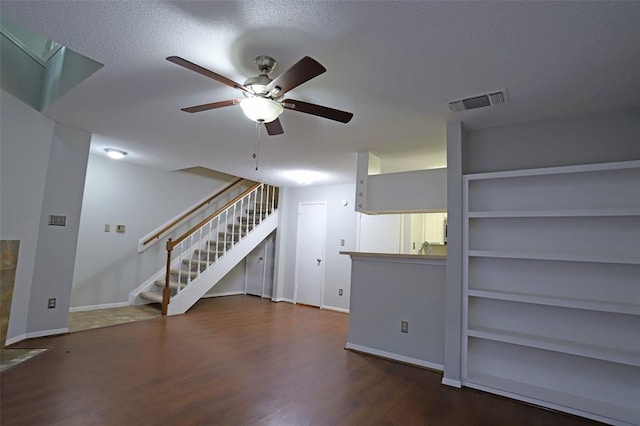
266,64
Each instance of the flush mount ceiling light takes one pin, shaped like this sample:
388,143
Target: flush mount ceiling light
262,110
116,154
304,177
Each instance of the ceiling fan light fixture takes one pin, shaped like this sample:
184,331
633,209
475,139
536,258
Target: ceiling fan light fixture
262,110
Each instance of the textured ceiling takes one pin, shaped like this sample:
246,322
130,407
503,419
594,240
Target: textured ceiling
393,64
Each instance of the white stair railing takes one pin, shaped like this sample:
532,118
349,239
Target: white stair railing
226,227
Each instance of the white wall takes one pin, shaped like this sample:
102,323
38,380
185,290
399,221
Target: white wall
341,224
107,265
232,283
42,170
380,233
416,191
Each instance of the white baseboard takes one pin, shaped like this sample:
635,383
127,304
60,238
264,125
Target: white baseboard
282,299
333,308
451,382
101,306
229,293
43,333
16,339
395,357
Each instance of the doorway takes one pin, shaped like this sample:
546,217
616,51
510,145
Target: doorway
310,253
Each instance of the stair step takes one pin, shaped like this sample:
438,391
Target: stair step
263,211
220,244
173,285
244,228
235,236
202,254
152,296
197,264
183,274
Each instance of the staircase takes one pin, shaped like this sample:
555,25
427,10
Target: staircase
202,256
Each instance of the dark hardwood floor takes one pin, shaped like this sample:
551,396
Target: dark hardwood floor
238,361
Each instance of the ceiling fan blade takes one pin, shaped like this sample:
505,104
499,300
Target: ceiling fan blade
303,70
213,105
274,127
319,110
207,73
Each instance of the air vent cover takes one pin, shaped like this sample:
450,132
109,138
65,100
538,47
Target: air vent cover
493,98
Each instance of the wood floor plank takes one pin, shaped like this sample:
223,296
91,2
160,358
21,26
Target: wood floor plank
238,360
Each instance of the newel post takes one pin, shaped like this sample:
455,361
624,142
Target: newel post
166,292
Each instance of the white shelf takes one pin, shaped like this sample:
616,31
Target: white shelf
619,308
582,224
559,345
604,258
548,397
555,213
583,168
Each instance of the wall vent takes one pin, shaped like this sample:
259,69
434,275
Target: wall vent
492,98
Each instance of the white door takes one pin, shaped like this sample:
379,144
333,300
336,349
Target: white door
310,252
254,271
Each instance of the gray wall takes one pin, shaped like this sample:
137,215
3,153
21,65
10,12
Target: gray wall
585,139
56,252
341,224
107,265
41,173
386,292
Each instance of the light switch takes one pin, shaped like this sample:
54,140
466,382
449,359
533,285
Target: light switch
107,227
120,229
55,220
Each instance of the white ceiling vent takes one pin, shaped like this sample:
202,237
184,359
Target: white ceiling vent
495,97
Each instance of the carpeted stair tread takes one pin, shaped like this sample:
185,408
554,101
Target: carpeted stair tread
197,264
173,285
150,295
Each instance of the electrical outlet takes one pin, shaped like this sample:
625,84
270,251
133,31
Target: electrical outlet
339,292
51,304
120,229
404,326
342,242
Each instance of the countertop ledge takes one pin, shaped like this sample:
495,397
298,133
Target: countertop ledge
394,256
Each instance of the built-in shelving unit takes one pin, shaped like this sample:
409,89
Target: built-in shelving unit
551,273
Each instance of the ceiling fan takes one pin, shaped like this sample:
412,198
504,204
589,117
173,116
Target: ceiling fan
263,100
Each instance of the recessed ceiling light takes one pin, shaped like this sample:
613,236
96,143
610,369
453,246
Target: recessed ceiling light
116,154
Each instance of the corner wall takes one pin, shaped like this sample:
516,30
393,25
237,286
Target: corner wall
341,224
41,172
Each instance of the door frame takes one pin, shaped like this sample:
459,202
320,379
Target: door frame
322,248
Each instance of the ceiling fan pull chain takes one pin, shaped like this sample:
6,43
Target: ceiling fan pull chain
257,152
